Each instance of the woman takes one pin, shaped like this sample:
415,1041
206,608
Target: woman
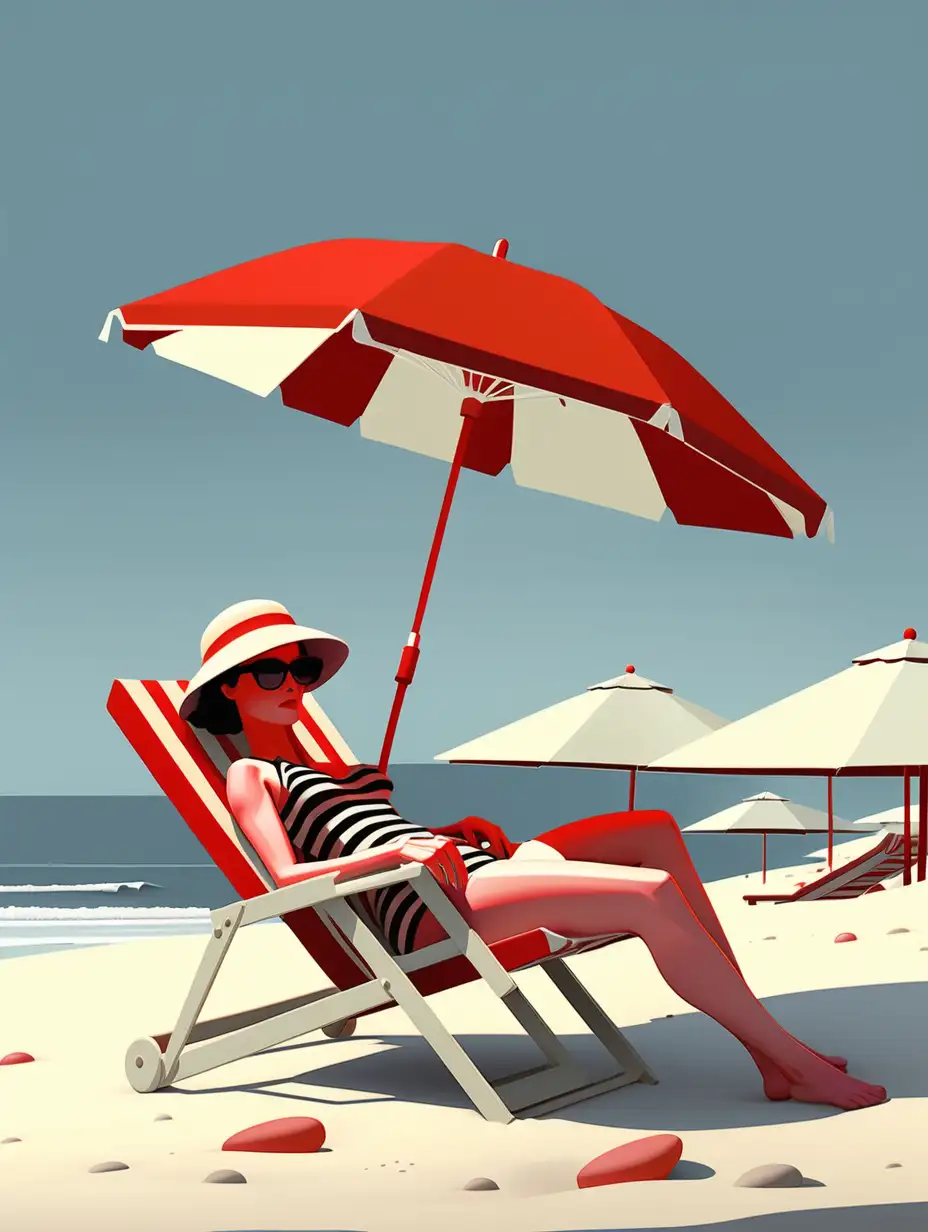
618,873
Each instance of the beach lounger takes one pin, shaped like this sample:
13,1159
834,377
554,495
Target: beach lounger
850,880
189,766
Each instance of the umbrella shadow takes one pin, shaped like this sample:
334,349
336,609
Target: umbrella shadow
706,1080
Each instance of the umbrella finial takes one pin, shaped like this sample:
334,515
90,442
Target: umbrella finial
630,668
501,249
910,635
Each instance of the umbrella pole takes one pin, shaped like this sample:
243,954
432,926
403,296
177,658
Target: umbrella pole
470,410
907,827
831,821
922,824
631,788
763,864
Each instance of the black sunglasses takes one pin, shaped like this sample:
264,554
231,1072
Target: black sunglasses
271,673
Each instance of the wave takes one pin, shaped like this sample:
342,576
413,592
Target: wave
90,887
100,915
36,930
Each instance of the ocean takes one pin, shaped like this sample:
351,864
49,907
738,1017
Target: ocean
94,870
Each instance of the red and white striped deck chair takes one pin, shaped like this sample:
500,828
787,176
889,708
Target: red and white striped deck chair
858,876
189,766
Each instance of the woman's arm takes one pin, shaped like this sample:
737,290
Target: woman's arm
254,793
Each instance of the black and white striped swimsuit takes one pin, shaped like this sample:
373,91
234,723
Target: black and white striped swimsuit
327,817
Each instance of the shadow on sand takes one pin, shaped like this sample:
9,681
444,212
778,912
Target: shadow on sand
901,1217
706,1080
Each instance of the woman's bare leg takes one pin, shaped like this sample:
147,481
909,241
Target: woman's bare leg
646,838
650,838
579,899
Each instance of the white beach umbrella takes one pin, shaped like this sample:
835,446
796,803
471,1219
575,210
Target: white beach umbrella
847,850
892,819
867,720
618,724
765,814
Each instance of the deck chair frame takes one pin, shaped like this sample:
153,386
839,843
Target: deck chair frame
195,1046
850,880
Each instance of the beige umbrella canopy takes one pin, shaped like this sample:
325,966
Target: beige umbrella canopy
867,720
892,819
765,814
618,724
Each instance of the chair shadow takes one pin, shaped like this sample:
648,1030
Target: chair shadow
706,1079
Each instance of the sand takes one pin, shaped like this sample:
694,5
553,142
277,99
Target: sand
401,1139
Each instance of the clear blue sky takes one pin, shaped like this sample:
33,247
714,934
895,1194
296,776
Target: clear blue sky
746,179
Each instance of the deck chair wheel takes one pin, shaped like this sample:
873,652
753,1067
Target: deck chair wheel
342,1029
145,1066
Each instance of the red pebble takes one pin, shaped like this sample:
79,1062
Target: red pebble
845,937
285,1135
645,1159
16,1058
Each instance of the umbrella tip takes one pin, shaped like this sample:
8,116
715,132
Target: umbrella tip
910,635
501,249
629,667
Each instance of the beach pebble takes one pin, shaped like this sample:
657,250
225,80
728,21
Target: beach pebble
894,1165
481,1182
644,1159
164,1116
771,1176
225,1176
7,1141
769,938
16,1058
892,932
109,1165
841,937
285,1135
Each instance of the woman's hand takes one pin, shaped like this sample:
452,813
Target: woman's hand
484,835
440,856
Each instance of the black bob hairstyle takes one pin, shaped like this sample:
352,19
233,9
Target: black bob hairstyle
216,713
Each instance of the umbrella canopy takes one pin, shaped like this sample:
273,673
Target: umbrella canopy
892,819
458,355
618,724
764,814
767,813
396,334
847,850
866,720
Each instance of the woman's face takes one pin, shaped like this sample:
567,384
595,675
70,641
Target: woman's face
255,700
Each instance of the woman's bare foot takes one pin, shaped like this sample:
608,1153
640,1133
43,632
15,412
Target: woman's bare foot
823,1084
776,1083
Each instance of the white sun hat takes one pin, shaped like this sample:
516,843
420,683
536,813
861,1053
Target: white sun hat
255,627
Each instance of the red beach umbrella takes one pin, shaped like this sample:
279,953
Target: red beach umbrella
470,358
